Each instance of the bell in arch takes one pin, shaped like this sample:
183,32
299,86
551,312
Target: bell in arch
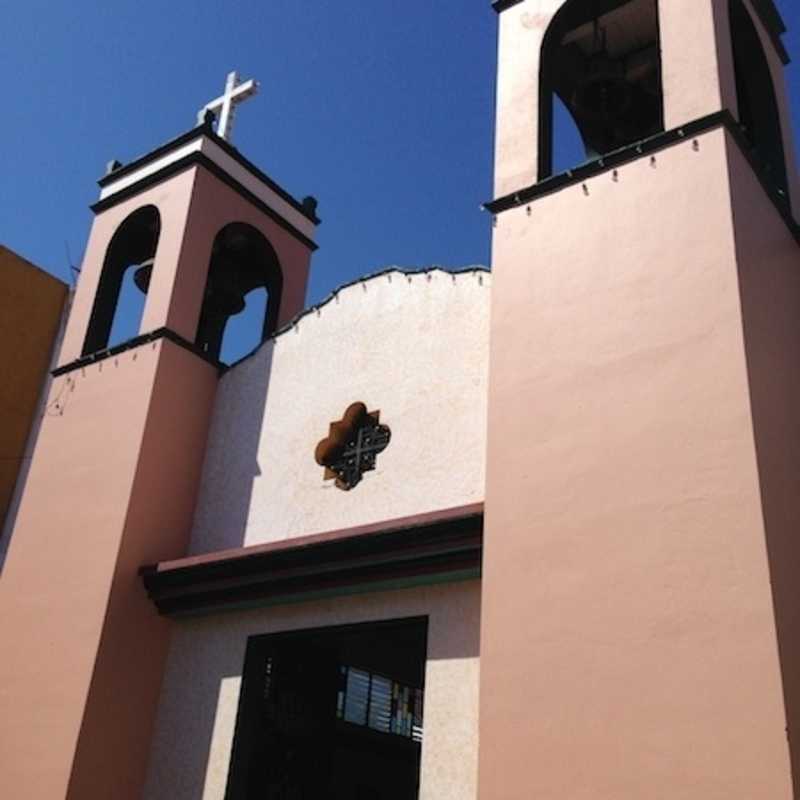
603,94
224,291
607,73
224,298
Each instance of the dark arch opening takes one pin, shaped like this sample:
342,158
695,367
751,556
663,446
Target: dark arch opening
602,60
758,105
568,147
243,266
117,314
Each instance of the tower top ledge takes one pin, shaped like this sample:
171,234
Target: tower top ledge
202,146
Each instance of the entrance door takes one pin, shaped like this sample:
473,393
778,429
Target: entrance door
331,714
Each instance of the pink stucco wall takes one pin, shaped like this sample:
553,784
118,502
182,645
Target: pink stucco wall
194,206
172,199
697,68
111,486
629,643
768,259
693,85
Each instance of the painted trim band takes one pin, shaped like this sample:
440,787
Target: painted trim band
196,133
428,548
130,344
192,159
634,151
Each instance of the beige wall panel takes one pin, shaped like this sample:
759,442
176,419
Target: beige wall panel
413,347
194,731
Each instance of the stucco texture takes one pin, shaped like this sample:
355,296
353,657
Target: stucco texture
626,576
194,731
412,346
111,487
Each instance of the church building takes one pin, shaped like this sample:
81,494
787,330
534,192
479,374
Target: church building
519,534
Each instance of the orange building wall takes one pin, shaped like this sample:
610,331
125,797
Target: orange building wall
31,305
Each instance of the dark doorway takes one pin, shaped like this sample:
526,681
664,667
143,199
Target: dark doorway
333,713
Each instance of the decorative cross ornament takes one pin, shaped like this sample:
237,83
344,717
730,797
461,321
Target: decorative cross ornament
224,107
352,446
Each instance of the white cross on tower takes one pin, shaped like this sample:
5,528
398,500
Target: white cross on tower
224,106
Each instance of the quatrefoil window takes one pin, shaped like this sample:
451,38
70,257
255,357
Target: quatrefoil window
352,446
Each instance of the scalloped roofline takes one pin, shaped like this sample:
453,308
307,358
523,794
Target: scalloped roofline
329,298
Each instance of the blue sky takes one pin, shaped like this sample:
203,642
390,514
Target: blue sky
383,110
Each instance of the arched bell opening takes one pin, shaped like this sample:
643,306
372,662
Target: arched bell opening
121,291
244,331
568,147
242,296
759,114
602,60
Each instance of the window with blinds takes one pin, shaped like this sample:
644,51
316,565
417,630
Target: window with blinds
379,703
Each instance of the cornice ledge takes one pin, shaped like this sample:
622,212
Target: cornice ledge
503,5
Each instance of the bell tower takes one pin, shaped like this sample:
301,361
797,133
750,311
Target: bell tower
641,625
113,480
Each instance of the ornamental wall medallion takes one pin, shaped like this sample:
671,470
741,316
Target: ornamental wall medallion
352,446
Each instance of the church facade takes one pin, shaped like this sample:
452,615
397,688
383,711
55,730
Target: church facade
527,533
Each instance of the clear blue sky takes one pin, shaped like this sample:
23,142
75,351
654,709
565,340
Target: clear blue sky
382,109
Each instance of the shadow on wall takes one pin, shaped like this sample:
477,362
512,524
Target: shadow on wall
233,444
199,704
770,301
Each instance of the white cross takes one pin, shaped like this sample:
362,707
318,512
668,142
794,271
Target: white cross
225,105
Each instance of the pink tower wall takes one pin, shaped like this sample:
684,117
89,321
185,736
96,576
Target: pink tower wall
640,623
694,82
113,486
194,206
769,284
629,643
173,200
698,79
177,297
